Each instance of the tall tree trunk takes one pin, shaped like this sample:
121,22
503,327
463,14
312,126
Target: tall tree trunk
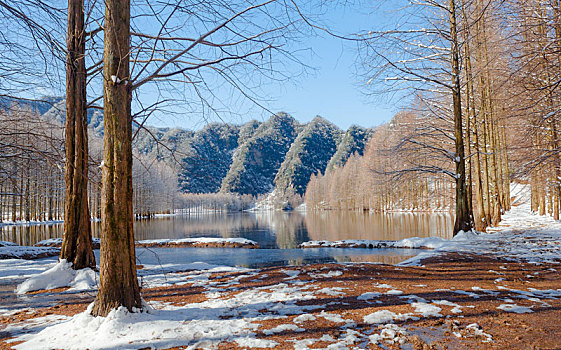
118,282
463,215
77,245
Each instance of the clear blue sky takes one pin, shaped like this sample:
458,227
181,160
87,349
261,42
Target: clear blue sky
331,89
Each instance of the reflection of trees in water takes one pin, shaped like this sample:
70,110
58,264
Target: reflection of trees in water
209,225
289,227
337,225
30,234
284,230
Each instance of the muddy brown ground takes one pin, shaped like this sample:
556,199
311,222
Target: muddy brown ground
436,280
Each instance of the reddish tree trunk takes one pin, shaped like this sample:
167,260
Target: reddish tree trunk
118,282
77,245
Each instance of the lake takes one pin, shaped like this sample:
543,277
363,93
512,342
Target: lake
278,233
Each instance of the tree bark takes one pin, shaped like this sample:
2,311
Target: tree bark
463,215
118,282
77,245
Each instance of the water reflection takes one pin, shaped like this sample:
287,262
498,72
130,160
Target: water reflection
271,229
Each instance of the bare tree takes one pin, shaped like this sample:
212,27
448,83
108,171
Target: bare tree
77,246
423,54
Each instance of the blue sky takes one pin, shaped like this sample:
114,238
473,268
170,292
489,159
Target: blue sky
331,89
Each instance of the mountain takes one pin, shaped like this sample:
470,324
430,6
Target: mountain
254,158
39,106
257,160
354,141
209,158
309,154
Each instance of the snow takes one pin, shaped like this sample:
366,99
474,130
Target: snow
427,310
283,328
384,316
60,275
477,330
456,308
390,333
197,325
292,274
200,240
249,342
304,318
13,251
273,201
369,295
394,292
333,291
326,274
29,223
515,308
57,242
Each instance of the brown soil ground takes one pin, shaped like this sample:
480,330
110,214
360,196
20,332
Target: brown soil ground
436,280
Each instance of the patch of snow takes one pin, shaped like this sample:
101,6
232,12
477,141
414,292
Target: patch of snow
335,318
249,342
515,308
200,240
385,316
283,328
477,330
390,333
291,274
333,291
427,310
60,275
326,275
304,318
369,295
394,292
456,308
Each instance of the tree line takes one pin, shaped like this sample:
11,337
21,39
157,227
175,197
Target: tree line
482,80
32,172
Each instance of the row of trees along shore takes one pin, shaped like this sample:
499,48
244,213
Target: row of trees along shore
483,78
32,172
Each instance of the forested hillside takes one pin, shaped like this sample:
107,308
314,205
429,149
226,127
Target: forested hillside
354,141
208,158
253,158
257,160
309,154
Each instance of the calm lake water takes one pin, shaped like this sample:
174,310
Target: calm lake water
279,233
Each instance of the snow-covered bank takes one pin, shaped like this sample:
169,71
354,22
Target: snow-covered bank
488,297
57,242
407,243
201,242
30,223
9,250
